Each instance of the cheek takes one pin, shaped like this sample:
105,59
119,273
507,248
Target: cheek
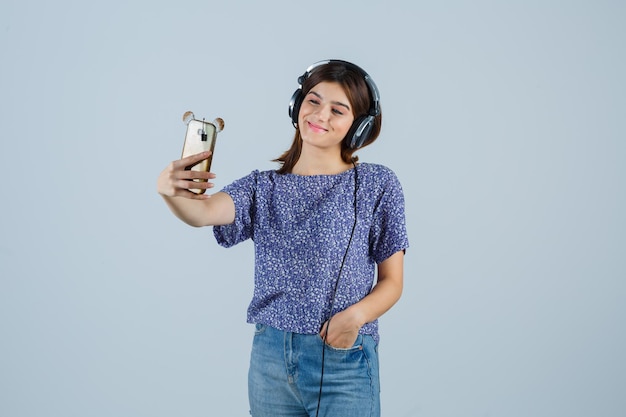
301,114
347,124
304,110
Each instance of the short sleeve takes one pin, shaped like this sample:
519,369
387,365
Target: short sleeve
243,192
388,234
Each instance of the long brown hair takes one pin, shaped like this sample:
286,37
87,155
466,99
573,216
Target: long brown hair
358,94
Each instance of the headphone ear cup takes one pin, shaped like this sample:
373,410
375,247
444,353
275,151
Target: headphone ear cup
294,106
360,131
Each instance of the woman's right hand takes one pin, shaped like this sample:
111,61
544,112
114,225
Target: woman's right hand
175,180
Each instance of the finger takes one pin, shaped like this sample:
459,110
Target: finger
191,174
191,159
324,329
193,196
184,190
193,185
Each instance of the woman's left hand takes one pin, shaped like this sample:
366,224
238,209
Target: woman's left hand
343,331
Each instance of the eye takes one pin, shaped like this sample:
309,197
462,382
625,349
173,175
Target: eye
338,112
314,101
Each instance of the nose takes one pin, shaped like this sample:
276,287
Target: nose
323,112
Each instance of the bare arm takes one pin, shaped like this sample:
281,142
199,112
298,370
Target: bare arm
346,324
196,210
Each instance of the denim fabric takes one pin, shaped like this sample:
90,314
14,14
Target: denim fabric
285,370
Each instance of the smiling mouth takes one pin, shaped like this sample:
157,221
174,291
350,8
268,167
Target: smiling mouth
316,128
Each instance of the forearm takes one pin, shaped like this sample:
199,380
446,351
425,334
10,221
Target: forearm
192,212
216,210
385,293
382,297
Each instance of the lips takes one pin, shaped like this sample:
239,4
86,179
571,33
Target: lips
316,128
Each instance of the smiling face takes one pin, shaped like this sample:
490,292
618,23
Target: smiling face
325,116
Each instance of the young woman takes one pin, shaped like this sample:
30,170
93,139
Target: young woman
329,236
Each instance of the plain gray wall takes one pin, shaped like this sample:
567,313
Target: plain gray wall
505,122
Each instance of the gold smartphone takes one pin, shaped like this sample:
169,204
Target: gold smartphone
200,137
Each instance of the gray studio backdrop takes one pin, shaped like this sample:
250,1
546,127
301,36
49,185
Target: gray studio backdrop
503,120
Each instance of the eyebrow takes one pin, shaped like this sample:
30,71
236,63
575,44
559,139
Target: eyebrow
338,103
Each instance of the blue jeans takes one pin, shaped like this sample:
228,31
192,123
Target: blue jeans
285,371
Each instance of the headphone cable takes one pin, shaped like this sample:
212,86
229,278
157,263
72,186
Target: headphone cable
332,302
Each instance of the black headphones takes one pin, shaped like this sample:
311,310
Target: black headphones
362,126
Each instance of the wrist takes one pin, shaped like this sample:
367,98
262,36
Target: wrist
359,317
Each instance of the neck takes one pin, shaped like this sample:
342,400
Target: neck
320,164
302,168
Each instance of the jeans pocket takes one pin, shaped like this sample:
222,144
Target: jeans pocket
358,344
